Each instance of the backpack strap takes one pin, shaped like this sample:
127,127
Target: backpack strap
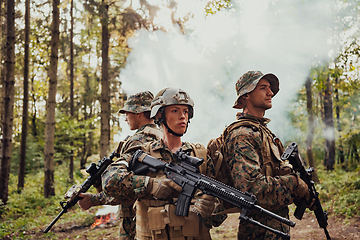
156,133
200,152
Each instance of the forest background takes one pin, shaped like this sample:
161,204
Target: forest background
68,67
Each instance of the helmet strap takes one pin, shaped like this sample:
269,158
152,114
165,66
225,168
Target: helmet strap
162,120
171,131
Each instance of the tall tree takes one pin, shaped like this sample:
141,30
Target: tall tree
25,117
337,112
71,164
329,160
49,189
310,136
9,85
105,87
2,50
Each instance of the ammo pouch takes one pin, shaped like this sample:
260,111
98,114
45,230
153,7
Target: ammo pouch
162,222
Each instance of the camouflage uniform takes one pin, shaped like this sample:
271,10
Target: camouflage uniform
136,103
125,211
156,219
124,186
253,153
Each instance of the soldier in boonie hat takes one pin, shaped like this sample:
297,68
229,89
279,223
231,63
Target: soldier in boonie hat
248,81
138,103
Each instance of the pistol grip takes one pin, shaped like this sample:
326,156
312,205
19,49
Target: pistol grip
299,211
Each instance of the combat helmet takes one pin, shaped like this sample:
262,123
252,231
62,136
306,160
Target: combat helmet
248,81
167,97
138,103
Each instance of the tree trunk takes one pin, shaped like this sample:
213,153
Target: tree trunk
71,164
8,100
49,189
2,49
105,88
337,111
329,127
310,136
25,117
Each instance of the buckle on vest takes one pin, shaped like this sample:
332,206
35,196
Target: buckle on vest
276,140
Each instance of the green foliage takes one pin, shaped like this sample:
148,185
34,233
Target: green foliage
340,191
30,210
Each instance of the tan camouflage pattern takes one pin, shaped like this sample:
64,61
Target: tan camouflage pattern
138,103
126,212
123,186
244,154
248,81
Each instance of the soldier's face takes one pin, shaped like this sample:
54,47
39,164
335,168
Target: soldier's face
176,117
261,96
132,120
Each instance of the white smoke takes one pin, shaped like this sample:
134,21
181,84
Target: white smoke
279,36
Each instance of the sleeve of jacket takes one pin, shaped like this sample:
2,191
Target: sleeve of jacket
120,184
244,154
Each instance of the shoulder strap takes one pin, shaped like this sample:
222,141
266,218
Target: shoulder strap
156,133
239,123
200,152
147,148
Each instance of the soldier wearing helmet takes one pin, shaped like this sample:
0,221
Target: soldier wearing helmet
137,111
155,194
254,155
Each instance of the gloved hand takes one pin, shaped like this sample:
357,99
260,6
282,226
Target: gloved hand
285,169
204,206
302,190
162,187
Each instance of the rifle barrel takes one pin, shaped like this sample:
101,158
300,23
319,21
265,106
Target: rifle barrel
55,220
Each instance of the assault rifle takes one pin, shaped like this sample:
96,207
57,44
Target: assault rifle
292,154
187,175
95,171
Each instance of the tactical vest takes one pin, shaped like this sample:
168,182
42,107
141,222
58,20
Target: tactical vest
156,219
149,131
271,148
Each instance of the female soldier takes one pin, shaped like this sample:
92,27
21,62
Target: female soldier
172,110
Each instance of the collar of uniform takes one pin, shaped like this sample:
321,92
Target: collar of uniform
159,144
262,120
146,125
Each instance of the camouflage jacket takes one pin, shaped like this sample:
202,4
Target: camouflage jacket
245,158
124,186
140,137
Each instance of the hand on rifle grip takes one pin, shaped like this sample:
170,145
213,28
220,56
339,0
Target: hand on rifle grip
85,201
301,191
162,187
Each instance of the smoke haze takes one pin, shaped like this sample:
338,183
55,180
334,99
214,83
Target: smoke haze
280,36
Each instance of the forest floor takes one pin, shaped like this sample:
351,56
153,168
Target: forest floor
307,228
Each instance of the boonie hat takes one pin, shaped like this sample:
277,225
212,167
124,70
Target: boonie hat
138,103
248,81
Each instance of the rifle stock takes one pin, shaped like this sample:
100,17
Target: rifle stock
190,179
293,156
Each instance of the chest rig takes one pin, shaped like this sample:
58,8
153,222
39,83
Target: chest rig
156,219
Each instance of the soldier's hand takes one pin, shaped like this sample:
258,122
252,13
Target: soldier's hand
204,206
303,191
285,169
162,187
85,203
